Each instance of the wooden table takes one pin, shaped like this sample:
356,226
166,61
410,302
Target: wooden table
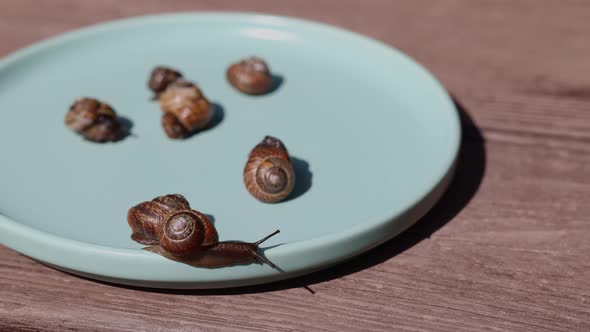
508,246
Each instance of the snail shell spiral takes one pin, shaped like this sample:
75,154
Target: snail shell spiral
268,174
182,234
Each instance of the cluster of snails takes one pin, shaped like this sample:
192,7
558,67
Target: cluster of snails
167,224
185,108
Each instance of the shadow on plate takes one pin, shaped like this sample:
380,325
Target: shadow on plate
127,125
218,116
277,82
303,178
469,173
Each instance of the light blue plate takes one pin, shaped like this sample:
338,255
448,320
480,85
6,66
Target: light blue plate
374,135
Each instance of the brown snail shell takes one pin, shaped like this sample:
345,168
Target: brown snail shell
182,234
251,76
161,77
221,254
94,120
147,218
185,108
179,233
269,174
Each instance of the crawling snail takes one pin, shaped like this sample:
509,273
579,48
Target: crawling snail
268,174
251,76
94,120
175,231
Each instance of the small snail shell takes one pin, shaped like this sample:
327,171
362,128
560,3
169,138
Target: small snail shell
94,120
181,234
161,77
147,218
268,174
185,109
251,76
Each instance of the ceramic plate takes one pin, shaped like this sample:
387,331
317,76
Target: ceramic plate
372,134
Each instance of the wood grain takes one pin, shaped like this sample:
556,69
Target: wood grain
507,247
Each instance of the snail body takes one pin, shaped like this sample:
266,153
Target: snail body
94,120
250,76
268,174
175,231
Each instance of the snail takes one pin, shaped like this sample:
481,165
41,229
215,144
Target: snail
160,78
251,76
185,109
94,120
172,229
268,174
